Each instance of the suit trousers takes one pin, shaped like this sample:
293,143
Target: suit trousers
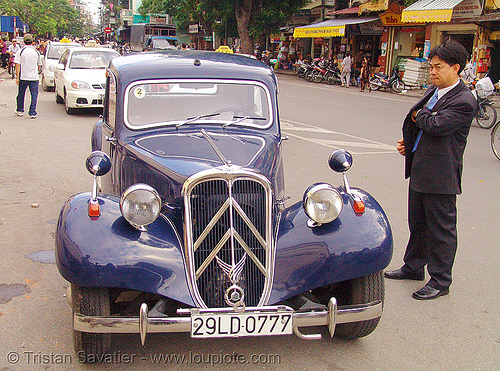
432,220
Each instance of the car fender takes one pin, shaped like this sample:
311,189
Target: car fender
96,138
353,245
106,251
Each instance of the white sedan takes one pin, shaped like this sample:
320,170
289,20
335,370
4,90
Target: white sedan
80,77
50,59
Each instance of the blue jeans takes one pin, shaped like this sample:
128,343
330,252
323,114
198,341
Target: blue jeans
23,85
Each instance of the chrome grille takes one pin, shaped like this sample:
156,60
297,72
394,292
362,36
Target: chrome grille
228,238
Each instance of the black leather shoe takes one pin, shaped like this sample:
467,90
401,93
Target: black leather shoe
399,274
428,292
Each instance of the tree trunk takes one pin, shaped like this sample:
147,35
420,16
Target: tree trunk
243,15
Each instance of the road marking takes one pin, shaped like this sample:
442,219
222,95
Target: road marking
352,91
293,128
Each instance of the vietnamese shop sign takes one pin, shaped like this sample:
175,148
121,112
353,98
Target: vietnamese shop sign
332,31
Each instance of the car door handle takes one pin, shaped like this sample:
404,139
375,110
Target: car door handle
112,140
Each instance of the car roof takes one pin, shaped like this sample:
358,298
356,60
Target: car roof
189,64
98,49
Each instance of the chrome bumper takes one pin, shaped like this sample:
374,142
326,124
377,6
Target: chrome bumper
143,324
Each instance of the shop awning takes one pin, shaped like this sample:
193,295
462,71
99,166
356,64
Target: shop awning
374,6
329,28
429,11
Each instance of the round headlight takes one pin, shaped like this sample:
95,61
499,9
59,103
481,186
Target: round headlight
322,203
140,205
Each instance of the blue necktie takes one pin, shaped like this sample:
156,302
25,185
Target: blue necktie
430,105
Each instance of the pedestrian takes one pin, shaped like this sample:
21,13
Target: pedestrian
28,65
365,74
4,56
345,76
434,139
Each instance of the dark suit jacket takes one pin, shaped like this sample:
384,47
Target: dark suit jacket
436,165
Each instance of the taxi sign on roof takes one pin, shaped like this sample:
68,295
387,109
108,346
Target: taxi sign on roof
224,49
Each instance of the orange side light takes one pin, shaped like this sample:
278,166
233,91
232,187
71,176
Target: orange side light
94,208
358,206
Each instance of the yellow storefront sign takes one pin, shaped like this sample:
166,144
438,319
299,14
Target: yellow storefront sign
332,31
434,15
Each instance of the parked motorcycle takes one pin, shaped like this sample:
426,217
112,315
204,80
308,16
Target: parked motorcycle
333,74
302,68
309,75
394,82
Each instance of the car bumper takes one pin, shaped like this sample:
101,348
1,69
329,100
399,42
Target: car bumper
84,99
144,324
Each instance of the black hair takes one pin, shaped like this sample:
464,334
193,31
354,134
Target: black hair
452,53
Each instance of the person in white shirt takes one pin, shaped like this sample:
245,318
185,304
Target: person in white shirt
28,65
14,47
345,76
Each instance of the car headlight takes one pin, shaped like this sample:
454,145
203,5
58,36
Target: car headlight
79,85
140,205
322,203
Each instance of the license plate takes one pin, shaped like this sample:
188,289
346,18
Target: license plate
217,325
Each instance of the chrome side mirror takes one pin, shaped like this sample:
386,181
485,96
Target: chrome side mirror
340,161
98,164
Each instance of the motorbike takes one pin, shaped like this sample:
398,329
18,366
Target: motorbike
309,75
333,74
11,67
394,82
303,68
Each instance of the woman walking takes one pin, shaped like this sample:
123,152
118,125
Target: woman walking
365,74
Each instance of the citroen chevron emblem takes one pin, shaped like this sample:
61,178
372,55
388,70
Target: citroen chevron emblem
233,272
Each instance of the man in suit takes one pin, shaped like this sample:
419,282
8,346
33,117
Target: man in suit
434,139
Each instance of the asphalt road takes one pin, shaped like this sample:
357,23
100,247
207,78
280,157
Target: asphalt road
42,164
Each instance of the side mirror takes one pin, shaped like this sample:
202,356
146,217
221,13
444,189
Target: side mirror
98,163
340,161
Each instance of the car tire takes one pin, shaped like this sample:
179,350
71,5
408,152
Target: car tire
69,110
361,290
59,100
93,302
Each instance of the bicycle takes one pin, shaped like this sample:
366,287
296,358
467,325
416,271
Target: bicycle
486,115
495,140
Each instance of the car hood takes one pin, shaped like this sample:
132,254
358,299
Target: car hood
195,148
91,76
153,159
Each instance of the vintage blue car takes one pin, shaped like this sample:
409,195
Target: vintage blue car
187,227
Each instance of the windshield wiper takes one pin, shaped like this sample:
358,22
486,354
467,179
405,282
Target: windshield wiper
243,118
196,118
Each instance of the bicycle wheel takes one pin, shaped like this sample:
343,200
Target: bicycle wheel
495,140
486,115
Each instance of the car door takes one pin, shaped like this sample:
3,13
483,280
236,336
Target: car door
59,73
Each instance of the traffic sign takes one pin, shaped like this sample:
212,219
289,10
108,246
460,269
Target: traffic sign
107,30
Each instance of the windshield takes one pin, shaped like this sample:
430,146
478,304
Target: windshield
55,51
91,59
162,44
239,103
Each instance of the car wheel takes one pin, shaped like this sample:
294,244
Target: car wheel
361,290
92,302
59,99
69,110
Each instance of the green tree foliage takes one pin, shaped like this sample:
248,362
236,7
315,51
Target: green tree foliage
47,17
248,19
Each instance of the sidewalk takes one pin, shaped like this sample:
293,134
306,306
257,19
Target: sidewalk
417,93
